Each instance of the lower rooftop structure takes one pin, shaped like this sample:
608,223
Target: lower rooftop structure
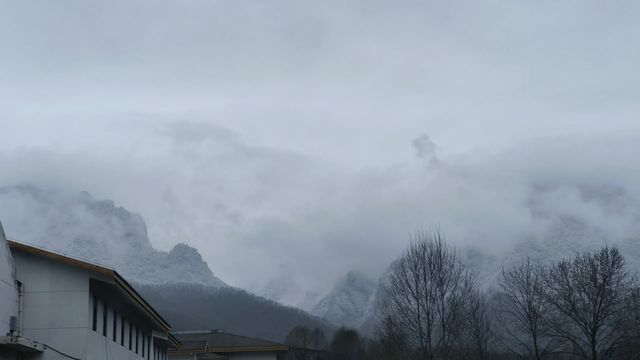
217,344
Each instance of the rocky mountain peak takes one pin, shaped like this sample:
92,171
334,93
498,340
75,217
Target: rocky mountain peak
347,302
185,252
99,231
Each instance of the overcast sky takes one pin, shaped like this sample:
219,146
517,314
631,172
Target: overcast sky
312,137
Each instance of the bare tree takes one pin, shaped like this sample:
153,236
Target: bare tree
480,335
347,345
301,339
428,296
588,296
300,336
630,348
521,305
392,339
318,340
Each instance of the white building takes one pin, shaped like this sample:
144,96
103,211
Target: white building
8,301
66,308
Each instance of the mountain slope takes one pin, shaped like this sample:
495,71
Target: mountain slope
348,300
285,289
97,230
178,283
197,307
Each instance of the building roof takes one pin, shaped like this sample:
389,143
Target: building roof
102,270
21,344
216,341
211,356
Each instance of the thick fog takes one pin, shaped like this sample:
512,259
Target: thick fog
299,140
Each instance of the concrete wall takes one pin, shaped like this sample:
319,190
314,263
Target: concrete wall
105,348
55,301
8,291
58,312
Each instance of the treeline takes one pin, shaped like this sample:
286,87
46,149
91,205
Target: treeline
432,308
199,307
344,344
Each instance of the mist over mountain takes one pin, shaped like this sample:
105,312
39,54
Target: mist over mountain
179,283
347,302
275,146
99,231
362,121
612,219
285,288
556,216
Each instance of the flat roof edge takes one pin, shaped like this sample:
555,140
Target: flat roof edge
100,269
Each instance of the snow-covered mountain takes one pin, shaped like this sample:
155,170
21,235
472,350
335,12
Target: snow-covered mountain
285,288
348,301
567,220
97,230
178,283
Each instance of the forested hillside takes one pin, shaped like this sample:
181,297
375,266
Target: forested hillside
197,307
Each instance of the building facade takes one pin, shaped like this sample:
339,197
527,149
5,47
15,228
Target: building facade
8,299
66,308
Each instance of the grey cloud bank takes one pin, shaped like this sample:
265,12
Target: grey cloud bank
259,214
284,139
352,73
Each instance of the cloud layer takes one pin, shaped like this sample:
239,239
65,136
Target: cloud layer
291,139
259,214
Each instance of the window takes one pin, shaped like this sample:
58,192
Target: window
130,335
137,333
94,323
115,326
104,319
122,332
143,344
149,346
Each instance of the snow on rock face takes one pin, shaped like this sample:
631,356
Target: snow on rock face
280,290
180,261
286,290
348,301
606,216
98,231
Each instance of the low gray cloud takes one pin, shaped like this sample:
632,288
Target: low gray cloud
426,149
287,139
259,214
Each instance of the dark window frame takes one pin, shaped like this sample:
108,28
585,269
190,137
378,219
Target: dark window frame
121,331
115,326
105,310
94,323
